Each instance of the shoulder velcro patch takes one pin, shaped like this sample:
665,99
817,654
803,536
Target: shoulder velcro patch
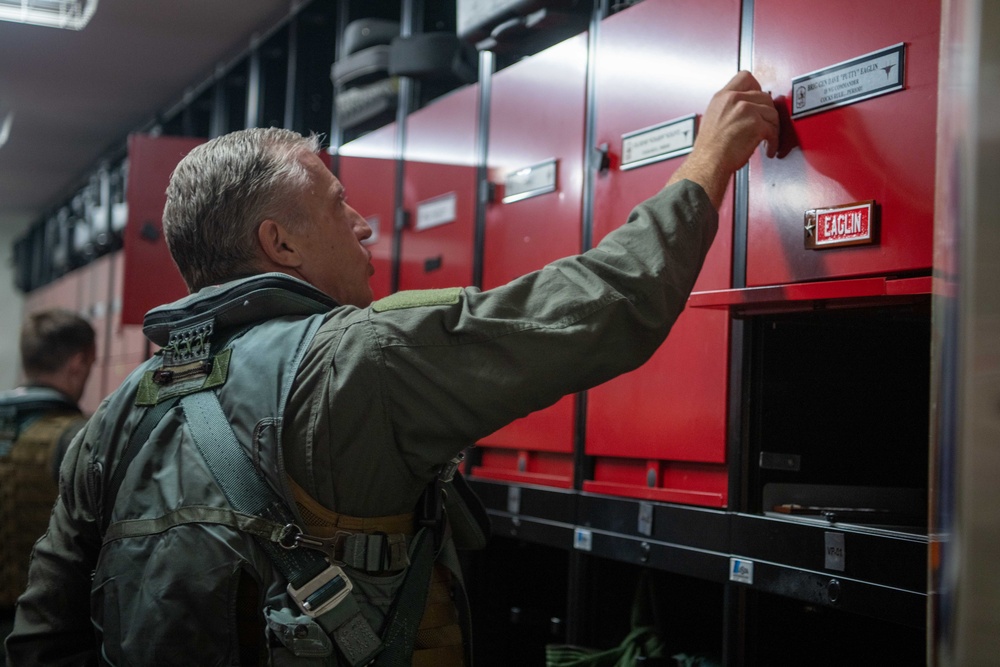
414,298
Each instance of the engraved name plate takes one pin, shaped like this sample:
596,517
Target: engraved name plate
851,81
437,211
659,142
530,181
835,226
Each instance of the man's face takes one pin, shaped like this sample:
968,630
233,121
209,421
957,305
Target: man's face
329,239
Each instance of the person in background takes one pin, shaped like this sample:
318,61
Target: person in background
277,485
37,421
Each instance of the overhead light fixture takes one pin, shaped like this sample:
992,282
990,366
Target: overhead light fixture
69,14
5,128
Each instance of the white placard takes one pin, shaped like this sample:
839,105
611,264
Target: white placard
437,211
530,181
741,570
660,142
851,81
834,556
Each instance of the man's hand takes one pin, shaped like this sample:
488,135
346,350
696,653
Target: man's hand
738,118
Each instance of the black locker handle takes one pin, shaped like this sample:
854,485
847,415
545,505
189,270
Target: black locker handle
602,158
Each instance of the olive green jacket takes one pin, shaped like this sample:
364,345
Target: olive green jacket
385,395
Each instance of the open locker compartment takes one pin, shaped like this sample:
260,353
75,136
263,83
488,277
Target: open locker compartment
839,414
519,598
780,630
620,597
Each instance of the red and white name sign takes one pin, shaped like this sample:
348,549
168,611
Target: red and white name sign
851,224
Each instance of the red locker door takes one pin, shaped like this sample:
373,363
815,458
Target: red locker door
127,346
95,300
660,432
535,156
367,169
439,193
836,64
151,277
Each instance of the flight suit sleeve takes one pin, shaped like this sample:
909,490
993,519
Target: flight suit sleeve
460,368
52,622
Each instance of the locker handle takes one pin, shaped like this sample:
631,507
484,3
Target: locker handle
433,263
488,194
602,158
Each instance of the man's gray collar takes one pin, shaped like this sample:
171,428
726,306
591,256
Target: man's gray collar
237,303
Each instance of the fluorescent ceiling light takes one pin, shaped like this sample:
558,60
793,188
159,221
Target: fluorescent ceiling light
69,14
5,128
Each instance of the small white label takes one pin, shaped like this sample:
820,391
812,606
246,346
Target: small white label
375,225
514,499
583,539
645,519
437,211
530,182
851,81
660,142
834,555
741,570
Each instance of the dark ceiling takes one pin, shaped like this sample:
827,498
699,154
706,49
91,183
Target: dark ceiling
73,97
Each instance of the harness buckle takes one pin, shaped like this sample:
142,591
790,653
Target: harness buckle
323,592
447,472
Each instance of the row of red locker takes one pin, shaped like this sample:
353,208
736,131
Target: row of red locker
848,207
660,432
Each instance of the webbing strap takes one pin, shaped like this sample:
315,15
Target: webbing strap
140,435
248,492
189,514
403,619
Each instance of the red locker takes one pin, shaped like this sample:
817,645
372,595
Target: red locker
535,157
95,293
127,345
439,193
367,169
856,138
660,432
151,277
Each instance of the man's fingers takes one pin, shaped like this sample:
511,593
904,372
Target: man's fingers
759,105
772,129
743,81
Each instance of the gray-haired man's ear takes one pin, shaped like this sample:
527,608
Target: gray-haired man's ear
278,246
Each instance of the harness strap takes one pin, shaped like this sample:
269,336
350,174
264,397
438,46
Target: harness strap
140,434
223,516
403,620
372,544
308,572
439,635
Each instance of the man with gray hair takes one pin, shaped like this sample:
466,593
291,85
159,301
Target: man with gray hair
278,484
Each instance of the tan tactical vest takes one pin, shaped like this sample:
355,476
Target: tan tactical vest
27,493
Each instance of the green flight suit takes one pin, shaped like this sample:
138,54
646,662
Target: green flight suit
386,394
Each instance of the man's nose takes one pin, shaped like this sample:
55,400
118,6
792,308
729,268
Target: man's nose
361,227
